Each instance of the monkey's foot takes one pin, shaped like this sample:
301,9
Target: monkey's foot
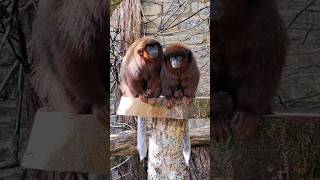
152,101
186,100
168,103
178,94
244,124
143,98
220,130
177,101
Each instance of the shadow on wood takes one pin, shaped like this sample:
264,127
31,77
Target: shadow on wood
66,142
286,146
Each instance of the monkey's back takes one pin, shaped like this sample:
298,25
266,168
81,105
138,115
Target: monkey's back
68,50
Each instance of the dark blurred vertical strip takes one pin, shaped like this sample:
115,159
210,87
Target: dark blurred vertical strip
211,26
108,14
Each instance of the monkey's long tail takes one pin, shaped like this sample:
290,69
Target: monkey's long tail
141,138
186,144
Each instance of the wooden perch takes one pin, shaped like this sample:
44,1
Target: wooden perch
66,142
135,107
124,143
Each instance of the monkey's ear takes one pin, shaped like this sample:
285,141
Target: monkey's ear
140,51
189,54
165,56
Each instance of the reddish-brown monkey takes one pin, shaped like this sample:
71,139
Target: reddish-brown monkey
140,70
140,77
249,50
179,75
68,48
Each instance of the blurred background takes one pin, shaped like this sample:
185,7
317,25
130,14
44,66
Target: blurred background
170,21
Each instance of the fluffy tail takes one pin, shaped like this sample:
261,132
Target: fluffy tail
141,138
186,144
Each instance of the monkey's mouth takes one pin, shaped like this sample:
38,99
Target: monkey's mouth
154,54
175,64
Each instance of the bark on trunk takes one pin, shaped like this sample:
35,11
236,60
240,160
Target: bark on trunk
166,159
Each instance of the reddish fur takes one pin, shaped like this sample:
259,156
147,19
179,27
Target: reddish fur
139,73
69,55
179,84
250,45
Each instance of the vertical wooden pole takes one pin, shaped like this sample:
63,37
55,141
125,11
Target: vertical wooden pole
166,159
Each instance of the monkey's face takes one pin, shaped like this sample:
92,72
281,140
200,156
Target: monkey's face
176,61
152,50
149,49
178,56
179,59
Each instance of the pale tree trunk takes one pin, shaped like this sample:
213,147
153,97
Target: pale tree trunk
166,159
113,5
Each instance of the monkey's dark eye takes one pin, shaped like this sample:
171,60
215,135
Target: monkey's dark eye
156,46
176,57
179,58
152,50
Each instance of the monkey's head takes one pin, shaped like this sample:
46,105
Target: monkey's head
230,8
177,56
149,48
216,7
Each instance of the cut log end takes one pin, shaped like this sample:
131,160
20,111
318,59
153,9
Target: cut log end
199,108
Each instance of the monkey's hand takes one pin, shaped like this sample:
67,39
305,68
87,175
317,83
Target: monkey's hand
168,103
186,100
151,101
177,101
146,97
244,124
147,93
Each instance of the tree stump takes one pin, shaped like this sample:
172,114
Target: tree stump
166,159
169,127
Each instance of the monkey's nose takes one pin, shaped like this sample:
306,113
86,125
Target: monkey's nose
175,63
154,53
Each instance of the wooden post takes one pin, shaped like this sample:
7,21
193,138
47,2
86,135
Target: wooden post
166,160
